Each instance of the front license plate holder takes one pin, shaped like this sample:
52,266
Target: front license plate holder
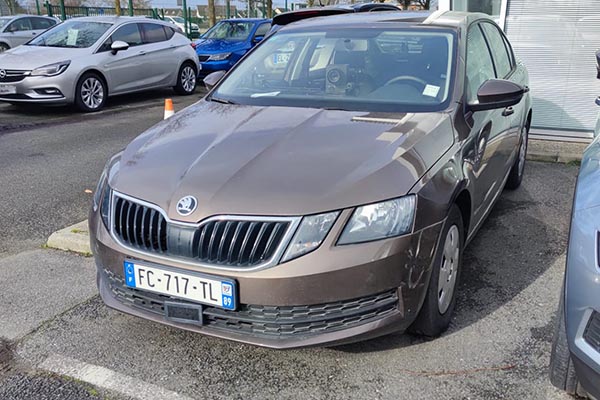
7,89
184,313
198,288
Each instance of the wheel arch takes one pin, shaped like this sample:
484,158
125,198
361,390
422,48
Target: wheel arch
93,71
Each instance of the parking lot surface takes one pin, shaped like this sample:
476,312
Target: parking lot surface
59,341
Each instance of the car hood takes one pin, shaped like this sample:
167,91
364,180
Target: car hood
31,57
279,161
213,46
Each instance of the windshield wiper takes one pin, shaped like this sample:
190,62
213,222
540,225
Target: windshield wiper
222,101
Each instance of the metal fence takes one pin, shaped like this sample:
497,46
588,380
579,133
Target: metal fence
66,12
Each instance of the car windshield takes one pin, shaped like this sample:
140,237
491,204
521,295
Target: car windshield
4,21
350,69
76,34
178,19
230,30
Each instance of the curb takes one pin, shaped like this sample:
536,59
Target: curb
561,158
74,238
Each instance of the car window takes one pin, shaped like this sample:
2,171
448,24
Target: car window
153,33
364,69
72,33
263,29
479,62
22,24
511,54
4,21
498,49
230,31
169,32
42,23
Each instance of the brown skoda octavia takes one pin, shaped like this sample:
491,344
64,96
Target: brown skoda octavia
325,188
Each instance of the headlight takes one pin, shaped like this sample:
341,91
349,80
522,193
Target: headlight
310,234
103,190
51,69
219,57
380,220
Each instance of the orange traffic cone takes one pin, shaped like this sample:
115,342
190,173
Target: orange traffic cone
168,108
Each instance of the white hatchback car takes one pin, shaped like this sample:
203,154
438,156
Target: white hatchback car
16,30
85,60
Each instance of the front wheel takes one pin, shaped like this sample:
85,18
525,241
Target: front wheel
516,173
3,47
90,93
186,80
436,312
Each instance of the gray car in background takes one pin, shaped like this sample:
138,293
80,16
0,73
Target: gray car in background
575,360
85,60
17,30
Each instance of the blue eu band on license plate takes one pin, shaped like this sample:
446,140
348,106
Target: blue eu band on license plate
205,289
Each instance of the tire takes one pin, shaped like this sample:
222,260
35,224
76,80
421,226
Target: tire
436,312
562,371
186,79
516,173
4,47
90,93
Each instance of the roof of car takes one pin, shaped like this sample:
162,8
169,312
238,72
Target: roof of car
114,19
414,18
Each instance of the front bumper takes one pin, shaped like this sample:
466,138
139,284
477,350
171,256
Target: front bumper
582,299
208,67
334,295
39,89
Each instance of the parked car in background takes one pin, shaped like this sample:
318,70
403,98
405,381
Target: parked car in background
226,42
17,30
86,60
322,196
575,359
193,29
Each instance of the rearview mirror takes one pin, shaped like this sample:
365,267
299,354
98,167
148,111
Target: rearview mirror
498,93
211,80
118,46
598,63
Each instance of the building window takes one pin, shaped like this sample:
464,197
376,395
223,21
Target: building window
490,7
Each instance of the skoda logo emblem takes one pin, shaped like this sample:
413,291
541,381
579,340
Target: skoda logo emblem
2,74
186,205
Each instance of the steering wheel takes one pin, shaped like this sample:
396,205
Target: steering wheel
412,80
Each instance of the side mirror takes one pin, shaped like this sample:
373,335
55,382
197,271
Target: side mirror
598,63
257,39
11,29
497,93
118,46
211,80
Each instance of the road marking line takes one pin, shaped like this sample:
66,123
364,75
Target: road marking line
108,379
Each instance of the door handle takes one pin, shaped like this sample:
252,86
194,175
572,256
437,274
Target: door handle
142,53
508,111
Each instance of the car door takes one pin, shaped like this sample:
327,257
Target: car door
19,31
160,59
506,69
488,129
126,70
40,24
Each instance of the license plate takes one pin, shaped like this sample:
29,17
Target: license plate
281,58
8,89
205,289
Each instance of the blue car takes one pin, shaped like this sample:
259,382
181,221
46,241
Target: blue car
226,42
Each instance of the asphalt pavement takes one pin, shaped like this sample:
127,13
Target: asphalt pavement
57,339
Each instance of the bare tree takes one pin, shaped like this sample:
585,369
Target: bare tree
212,15
269,8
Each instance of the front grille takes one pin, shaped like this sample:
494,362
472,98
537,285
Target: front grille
230,242
592,331
270,321
203,57
13,75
